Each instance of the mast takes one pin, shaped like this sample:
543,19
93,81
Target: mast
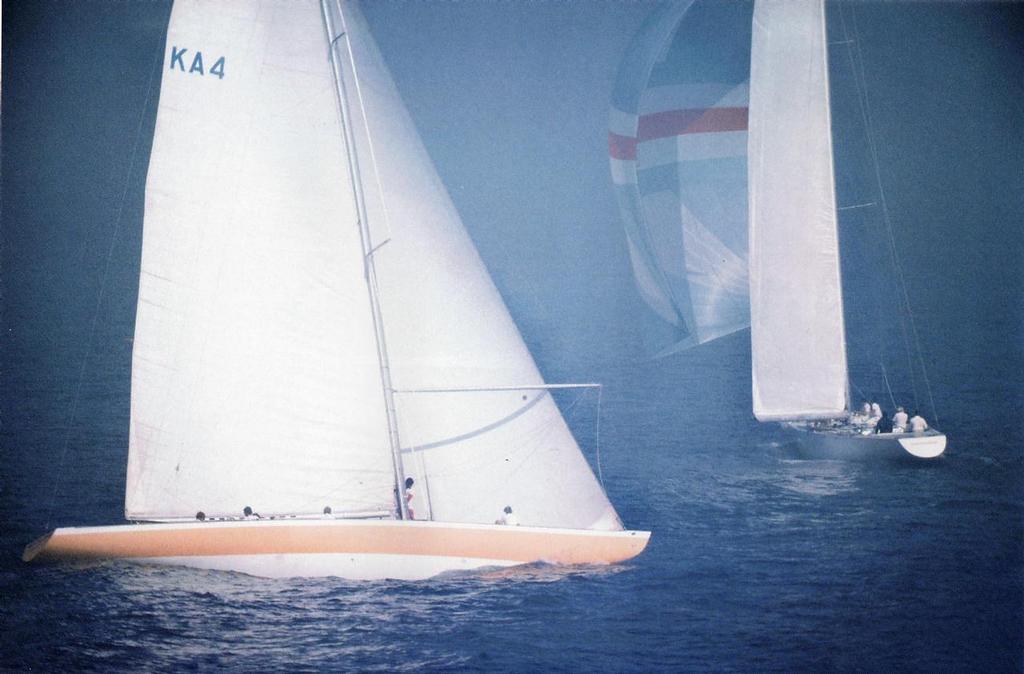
334,38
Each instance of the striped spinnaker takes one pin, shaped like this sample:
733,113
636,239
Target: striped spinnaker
678,150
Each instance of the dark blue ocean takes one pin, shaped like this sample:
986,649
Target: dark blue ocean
758,561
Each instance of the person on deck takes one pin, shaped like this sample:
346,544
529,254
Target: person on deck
248,514
917,423
409,482
508,518
874,413
899,420
884,424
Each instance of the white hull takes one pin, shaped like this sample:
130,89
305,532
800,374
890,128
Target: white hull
853,445
350,566
351,549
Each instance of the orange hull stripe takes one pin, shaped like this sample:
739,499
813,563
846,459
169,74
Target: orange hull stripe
517,544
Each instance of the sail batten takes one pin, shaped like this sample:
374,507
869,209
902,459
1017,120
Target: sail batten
797,330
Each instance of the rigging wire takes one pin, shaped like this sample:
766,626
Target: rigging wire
860,391
366,127
597,438
885,378
103,283
570,413
857,61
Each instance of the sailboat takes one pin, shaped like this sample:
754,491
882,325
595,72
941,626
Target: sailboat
721,152
315,332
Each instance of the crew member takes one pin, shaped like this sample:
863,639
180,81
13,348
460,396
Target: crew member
409,482
508,517
899,420
884,424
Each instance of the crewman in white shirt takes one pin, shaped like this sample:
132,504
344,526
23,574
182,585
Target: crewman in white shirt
917,423
899,420
409,482
508,517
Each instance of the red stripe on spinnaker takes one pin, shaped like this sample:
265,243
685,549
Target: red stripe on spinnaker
695,120
621,147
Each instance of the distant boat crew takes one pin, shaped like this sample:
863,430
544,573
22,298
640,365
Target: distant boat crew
884,424
899,420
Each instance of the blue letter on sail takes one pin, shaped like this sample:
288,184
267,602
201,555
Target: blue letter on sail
197,64
218,68
176,57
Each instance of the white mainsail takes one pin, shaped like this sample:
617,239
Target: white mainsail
255,373
471,452
797,332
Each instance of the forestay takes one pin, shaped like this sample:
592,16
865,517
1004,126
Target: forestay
677,145
471,452
254,373
797,333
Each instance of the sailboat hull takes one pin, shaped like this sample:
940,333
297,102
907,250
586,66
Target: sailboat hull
351,549
852,445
